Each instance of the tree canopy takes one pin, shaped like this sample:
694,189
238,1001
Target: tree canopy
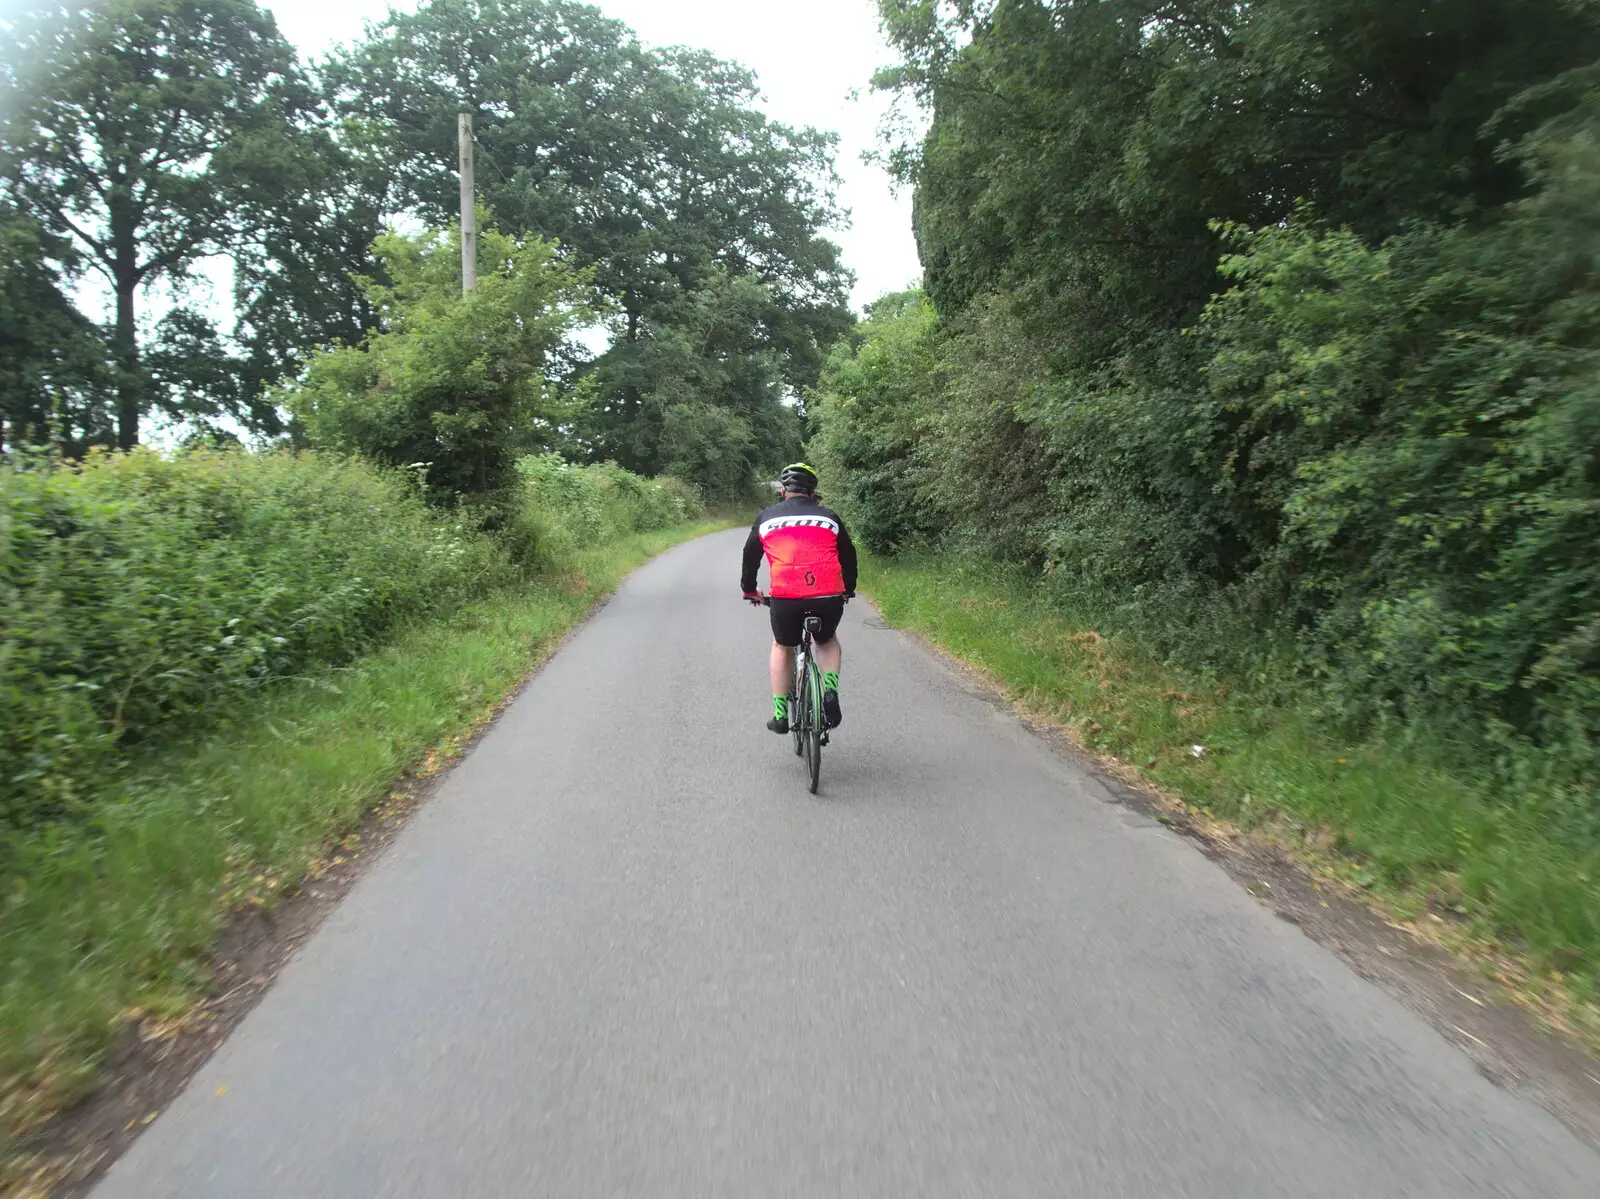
153,133
451,385
144,137
1270,316
52,376
653,168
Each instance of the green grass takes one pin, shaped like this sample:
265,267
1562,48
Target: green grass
99,926
1393,820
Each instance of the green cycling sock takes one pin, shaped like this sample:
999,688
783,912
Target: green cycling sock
780,707
830,680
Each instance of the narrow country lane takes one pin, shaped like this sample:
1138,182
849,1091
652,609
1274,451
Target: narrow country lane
622,952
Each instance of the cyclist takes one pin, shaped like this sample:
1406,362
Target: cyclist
811,568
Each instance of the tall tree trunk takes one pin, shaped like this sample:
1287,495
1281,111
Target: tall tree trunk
130,383
130,386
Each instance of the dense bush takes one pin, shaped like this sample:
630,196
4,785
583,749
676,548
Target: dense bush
454,386
1413,448
137,591
1266,333
566,507
879,391
140,594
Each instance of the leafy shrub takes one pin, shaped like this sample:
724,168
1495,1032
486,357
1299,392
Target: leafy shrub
452,385
1418,422
564,507
1381,492
713,445
139,592
872,407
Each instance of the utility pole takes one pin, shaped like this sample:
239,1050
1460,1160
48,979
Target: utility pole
469,210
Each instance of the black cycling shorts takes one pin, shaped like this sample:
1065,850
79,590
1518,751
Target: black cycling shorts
789,615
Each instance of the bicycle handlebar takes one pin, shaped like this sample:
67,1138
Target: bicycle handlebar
766,600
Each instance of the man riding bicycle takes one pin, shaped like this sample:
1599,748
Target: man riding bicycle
811,568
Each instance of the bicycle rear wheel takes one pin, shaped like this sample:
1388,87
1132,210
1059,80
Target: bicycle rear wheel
796,698
813,709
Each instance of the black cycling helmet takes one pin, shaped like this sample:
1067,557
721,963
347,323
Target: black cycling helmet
797,476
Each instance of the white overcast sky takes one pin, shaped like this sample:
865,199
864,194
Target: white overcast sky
808,57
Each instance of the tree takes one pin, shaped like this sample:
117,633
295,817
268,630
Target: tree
299,283
1079,153
52,359
1079,148
152,132
650,167
1363,457
710,447
871,407
190,372
455,386
712,347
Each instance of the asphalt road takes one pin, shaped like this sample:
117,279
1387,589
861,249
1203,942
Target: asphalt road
623,952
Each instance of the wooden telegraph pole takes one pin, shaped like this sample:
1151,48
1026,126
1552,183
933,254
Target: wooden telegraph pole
469,211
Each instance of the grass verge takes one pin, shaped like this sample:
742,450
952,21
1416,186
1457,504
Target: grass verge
113,924
1485,873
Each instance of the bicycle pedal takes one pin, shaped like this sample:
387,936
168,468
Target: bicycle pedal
824,738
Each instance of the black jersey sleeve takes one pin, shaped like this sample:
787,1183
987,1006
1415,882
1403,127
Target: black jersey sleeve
752,558
847,555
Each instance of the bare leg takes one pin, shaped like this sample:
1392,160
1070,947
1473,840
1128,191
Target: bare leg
829,655
781,666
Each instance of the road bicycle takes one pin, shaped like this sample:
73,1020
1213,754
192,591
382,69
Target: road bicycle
806,723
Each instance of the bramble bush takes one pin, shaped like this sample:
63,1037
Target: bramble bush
141,595
567,507
453,386
1291,388
139,591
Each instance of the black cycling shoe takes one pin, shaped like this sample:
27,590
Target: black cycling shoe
779,725
831,716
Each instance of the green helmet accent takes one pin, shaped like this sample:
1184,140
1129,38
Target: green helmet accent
797,476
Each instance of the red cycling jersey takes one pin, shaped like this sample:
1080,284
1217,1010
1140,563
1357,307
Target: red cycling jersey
808,549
